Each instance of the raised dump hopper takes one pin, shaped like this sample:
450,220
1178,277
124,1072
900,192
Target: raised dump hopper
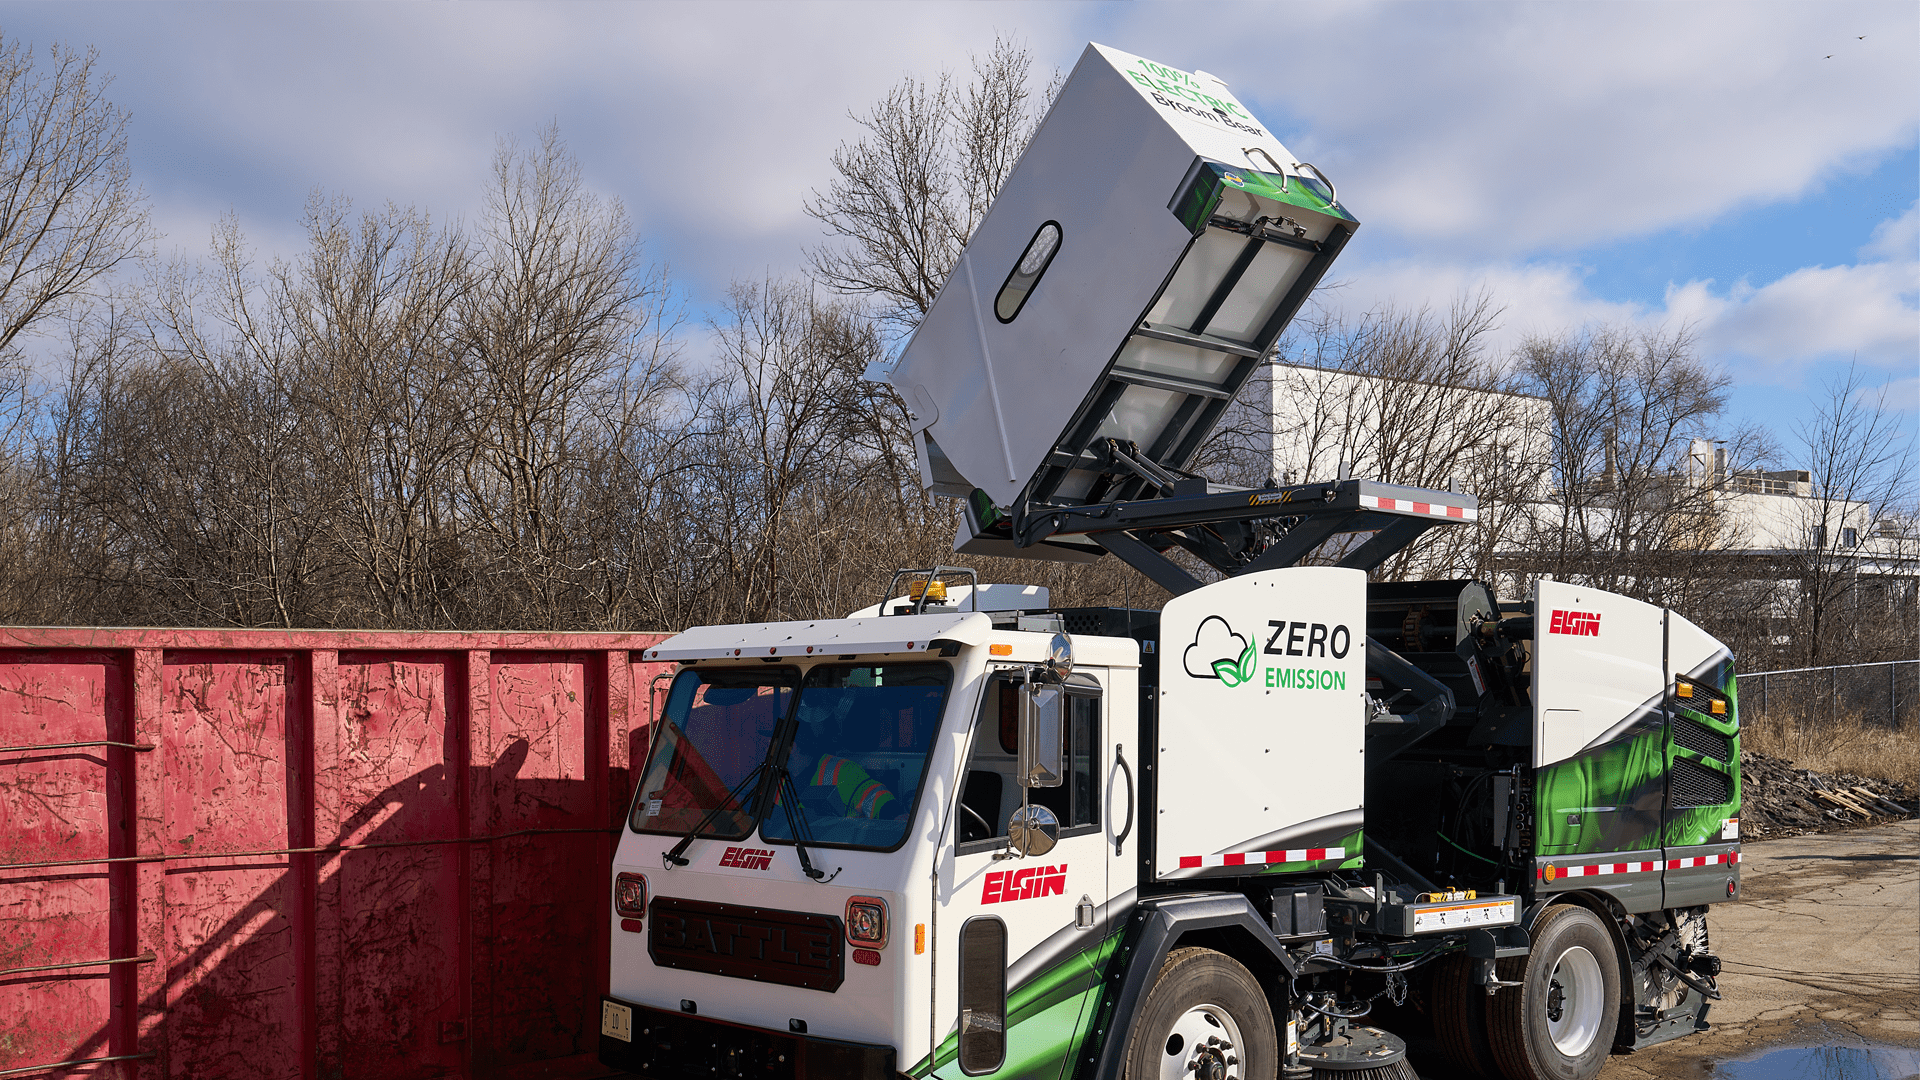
1142,257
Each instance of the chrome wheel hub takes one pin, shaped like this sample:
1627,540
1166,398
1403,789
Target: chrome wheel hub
1575,1001
1203,1045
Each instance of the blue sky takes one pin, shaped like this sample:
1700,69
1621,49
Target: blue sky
1749,170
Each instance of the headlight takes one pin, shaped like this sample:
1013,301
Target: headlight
630,896
867,921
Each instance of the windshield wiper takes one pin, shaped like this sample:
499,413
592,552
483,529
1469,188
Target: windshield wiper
796,822
676,857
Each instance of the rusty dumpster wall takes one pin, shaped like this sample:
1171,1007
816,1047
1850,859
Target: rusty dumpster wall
310,854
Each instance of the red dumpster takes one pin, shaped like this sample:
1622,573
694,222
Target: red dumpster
314,854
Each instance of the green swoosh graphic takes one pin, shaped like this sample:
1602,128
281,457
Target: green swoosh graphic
1044,1027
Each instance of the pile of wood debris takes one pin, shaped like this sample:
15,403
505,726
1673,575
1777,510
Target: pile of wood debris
1780,800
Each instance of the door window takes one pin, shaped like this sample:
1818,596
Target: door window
990,794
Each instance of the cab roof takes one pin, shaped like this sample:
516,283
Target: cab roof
875,634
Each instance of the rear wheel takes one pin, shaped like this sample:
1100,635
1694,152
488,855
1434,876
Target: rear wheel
1559,1023
1207,1018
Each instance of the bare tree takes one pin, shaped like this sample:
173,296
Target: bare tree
204,459
19,408
372,306
1624,513
908,194
69,211
561,308
1848,570
1401,397
780,402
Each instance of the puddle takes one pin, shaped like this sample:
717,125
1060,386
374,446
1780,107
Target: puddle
1869,1062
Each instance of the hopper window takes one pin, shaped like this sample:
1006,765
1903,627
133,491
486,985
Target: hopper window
1026,273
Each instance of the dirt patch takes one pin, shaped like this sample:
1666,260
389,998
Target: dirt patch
1823,950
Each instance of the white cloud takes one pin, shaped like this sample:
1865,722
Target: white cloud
1502,129
1896,239
1902,394
1537,298
1764,334
1869,311
711,123
1498,130
1482,142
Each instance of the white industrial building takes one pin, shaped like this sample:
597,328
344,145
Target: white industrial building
1326,423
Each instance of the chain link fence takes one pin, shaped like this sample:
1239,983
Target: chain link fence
1886,694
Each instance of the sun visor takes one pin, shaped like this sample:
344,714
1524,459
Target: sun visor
1151,244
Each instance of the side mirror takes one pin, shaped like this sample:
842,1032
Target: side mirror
1059,662
1042,737
1033,830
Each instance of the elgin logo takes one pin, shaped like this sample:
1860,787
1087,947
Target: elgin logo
747,858
1577,623
1003,885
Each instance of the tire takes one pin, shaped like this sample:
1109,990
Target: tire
1201,995
1559,1024
1458,1009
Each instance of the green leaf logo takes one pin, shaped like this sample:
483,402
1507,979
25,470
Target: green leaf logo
1235,672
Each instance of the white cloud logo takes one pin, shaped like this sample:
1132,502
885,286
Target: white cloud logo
1219,653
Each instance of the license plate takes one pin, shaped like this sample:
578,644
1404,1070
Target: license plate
616,1021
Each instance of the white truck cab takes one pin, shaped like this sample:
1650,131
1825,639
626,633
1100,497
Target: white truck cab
848,787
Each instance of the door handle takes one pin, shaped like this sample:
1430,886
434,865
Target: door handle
1120,759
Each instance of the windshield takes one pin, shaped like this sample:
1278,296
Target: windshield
718,726
859,752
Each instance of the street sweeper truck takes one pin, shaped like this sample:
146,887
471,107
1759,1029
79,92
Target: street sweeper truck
1268,830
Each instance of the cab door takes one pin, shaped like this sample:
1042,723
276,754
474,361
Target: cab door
1022,931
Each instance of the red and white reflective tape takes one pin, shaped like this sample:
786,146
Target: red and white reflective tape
1440,510
1594,869
1262,858
1703,860
1552,872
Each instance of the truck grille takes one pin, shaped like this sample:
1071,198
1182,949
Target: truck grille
793,948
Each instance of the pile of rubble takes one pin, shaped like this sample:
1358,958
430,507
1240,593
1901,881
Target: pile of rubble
1780,800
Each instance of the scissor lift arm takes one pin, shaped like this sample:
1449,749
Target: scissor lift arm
1244,531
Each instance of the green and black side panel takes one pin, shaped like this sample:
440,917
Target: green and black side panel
1702,835
1636,794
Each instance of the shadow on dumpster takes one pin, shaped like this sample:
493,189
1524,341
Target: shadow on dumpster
420,959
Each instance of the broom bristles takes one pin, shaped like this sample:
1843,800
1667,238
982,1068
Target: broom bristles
1398,1070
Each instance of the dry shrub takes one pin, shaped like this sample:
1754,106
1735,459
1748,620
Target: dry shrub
1846,744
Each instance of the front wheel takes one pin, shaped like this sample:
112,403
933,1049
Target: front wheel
1207,1018
1559,1023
